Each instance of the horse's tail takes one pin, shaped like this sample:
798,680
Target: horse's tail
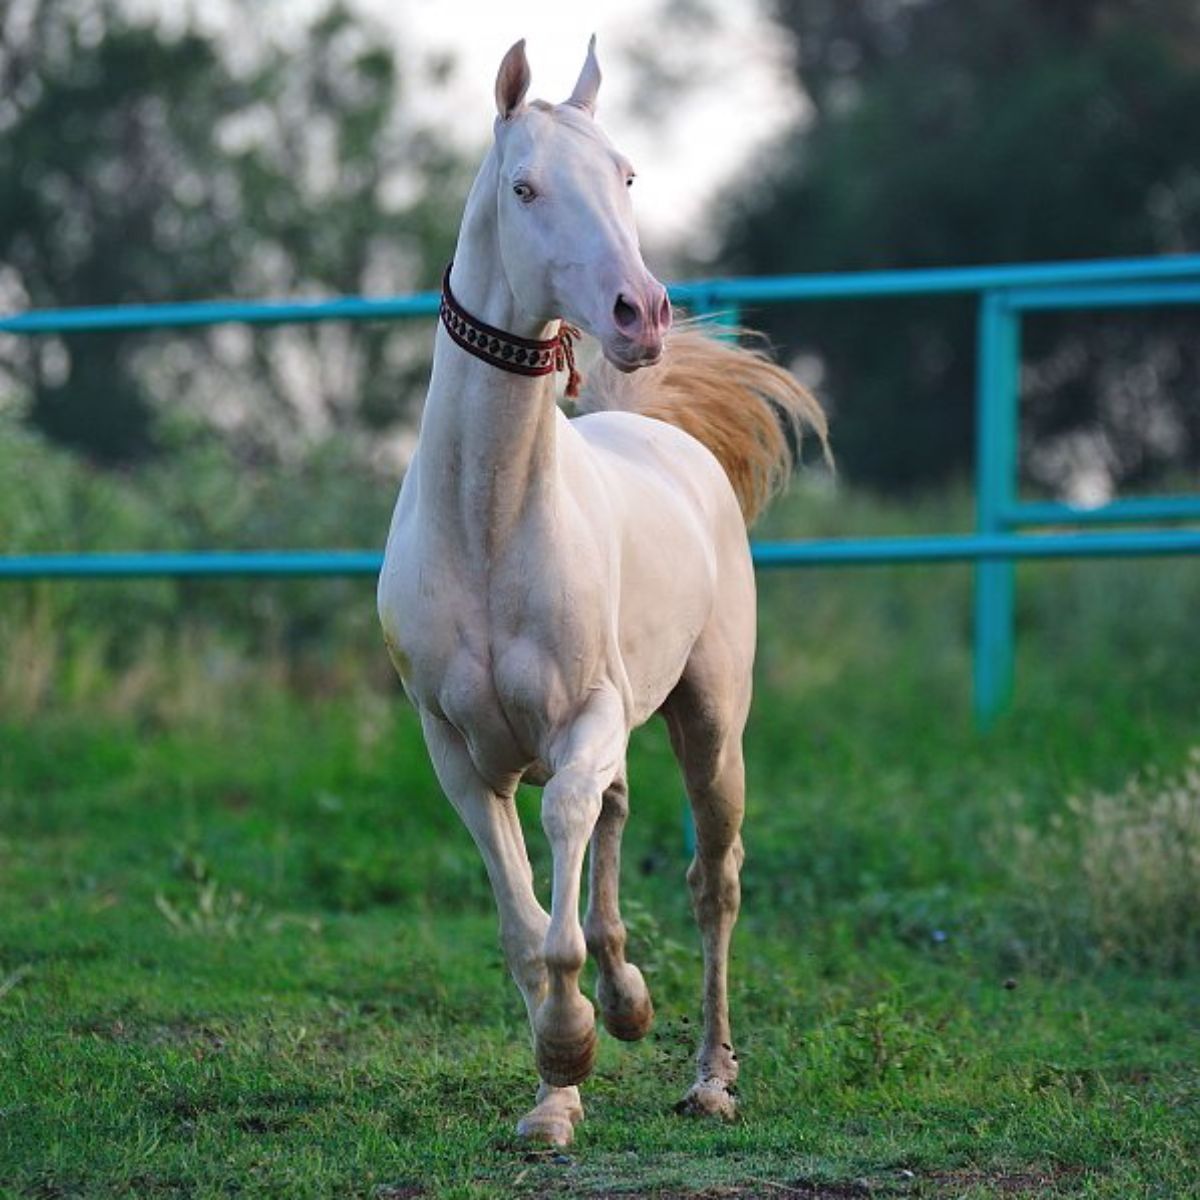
749,412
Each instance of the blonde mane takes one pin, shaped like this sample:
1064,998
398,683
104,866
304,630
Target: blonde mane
747,410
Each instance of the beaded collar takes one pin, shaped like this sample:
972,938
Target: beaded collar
517,355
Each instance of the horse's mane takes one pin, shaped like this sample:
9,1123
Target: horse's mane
748,411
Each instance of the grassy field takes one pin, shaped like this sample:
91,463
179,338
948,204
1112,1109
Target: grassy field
246,949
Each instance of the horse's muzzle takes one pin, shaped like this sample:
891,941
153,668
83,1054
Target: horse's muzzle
630,356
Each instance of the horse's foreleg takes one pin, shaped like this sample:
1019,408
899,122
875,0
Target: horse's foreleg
565,1024
621,992
492,820
584,763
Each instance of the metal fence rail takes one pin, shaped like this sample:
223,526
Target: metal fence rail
830,552
1004,294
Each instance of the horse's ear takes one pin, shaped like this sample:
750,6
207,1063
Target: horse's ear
588,84
512,82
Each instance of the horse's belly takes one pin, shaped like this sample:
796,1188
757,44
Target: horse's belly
668,588
655,647
672,505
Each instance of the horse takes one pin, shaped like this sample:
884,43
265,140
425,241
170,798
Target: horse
549,584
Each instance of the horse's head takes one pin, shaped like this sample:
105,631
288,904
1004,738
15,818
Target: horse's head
566,231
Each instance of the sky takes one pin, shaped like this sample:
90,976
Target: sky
739,91
736,89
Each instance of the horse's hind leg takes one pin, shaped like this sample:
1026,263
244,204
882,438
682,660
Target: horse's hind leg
706,733
621,992
496,828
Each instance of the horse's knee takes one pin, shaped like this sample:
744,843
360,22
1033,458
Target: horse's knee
570,808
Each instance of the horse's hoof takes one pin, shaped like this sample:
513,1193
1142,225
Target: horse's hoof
626,1008
630,1026
710,1098
548,1128
565,1063
553,1120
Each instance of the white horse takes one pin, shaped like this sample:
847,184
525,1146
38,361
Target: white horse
551,584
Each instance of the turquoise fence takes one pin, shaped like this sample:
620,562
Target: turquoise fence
1004,293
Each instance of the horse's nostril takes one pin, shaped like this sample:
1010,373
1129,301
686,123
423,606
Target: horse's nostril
624,313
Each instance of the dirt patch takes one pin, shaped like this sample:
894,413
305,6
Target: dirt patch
1036,1181
262,1123
1048,1181
757,1190
128,1025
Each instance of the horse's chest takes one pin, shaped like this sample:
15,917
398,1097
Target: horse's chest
495,672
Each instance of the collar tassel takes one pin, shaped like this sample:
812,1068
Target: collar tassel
564,358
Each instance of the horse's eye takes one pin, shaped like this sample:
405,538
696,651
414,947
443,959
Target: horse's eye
629,180
523,192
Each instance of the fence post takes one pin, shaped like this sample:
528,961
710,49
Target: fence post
996,396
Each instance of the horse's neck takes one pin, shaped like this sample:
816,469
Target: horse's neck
487,436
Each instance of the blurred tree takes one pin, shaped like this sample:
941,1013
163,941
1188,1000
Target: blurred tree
141,166
1004,130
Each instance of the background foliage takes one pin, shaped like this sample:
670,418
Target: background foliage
141,163
946,134
137,166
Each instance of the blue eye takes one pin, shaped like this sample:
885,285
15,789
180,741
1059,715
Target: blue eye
523,192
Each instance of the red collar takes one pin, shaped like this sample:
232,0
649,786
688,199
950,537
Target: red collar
517,355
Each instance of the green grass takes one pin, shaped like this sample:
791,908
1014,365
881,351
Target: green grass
245,947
